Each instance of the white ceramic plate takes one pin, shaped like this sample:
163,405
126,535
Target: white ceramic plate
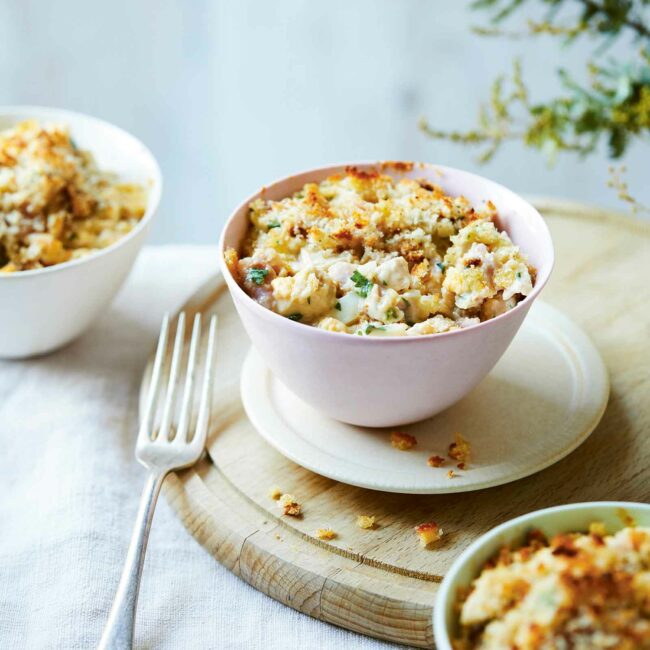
543,399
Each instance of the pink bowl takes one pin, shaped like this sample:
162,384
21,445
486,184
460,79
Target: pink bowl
382,382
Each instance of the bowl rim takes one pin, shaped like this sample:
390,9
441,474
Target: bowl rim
439,618
263,312
153,197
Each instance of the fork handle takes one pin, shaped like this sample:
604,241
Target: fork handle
118,633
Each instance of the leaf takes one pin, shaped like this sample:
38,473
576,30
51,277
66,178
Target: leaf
256,275
623,90
362,284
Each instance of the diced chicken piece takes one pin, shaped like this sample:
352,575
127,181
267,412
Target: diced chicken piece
340,273
515,279
382,305
332,325
305,294
394,273
368,270
349,308
435,325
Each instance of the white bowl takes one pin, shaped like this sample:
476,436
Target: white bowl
551,521
393,380
46,308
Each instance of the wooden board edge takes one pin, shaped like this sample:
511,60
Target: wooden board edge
278,562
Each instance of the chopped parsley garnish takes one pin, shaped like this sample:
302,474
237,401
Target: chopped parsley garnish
309,300
518,274
406,302
274,224
441,266
297,316
391,313
362,284
370,328
337,305
256,275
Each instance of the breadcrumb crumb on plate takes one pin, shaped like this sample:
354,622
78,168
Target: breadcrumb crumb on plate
326,534
435,461
460,449
289,506
366,521
274,493
428,533
402,441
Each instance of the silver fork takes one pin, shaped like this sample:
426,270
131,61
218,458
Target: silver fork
160,453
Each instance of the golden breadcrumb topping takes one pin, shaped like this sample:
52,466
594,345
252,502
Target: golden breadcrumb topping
289,506
55,204
402,441
366,521
580,591
435,461
325,534
363,253
598,529
428,533
460,450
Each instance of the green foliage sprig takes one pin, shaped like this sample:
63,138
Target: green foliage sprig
613,106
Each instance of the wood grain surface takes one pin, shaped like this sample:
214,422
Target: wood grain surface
380,582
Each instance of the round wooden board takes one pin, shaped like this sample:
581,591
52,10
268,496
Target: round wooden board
380,582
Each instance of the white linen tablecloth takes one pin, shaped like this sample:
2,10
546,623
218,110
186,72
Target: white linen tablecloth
71,487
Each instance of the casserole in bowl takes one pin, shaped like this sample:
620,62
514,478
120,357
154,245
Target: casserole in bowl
388,380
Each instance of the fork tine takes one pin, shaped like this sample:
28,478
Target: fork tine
170,397
206,390
156,373
184,417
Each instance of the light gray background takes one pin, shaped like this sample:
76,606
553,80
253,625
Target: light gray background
230,95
